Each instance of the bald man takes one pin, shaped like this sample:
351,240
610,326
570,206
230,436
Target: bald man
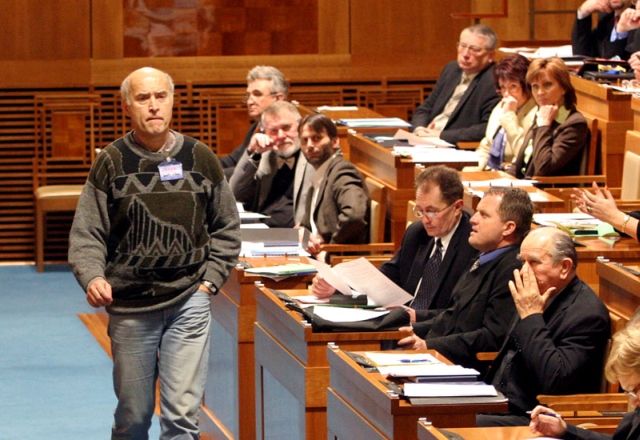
155,234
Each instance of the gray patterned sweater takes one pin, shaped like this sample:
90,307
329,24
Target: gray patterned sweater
154,241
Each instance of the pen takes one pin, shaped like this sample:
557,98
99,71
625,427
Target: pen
413,361
557,416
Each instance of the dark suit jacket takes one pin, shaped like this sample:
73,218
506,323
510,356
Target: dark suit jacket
560,351
230,161
407,265
628,429
596,42
251,184
341,213
478,315
468,121
557,148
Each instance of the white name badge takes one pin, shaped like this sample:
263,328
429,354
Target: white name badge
170,170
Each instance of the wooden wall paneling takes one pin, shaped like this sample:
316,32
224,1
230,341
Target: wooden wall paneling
53,29
420,33
107,29
333,26
554,18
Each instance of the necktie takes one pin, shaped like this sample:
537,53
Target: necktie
496,154
475,265
429,279
440,121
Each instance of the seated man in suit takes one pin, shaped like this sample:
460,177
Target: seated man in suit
481,307
556,345
337,210
604,41
271,173
435,250
265,85
459,106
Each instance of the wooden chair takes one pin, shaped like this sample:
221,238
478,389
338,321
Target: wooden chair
594,166
65,128
377,248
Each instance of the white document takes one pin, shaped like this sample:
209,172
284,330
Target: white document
569,218
373,122
427,370
362,276
325,271
258,249
504,182
432,141
452,389
347,314
444,155
386,359
337,108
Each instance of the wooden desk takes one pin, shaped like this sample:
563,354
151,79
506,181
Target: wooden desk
229,409
613,109
292,371
626,251
619,289
426,431
396,173
361,406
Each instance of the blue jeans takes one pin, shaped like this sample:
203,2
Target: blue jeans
170,344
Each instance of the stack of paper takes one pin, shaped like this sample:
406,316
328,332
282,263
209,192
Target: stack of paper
373,122
283,269
451,389
363,277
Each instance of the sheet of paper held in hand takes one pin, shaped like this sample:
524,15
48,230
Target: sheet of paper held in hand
363,277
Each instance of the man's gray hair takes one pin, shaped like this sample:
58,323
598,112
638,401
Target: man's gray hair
278,107
486,32
279,83
125,87
563,247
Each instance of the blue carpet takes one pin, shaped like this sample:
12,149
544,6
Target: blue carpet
54,377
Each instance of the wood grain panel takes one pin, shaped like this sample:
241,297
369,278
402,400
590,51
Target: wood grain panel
52,29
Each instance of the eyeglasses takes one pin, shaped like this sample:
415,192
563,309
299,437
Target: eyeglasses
429,213
472,49
257,94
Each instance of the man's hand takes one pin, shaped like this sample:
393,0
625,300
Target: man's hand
260,143
314,244
426,132
320,288
546,114
412,341
99,293
634,62
591,6
545,424
628,21
526,294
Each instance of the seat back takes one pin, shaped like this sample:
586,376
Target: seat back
411,217
593,166
631,170
66,127
378,196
